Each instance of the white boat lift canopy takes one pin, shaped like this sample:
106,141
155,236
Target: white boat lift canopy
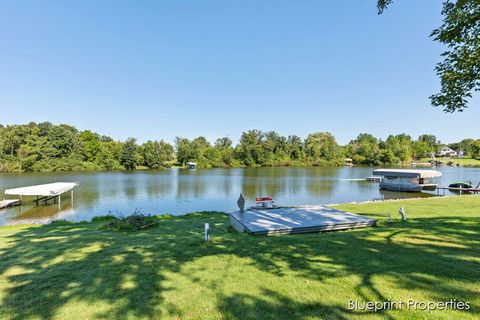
45,190
407,173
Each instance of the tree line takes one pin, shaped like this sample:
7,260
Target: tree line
36,147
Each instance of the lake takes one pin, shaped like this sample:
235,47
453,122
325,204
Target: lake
179,191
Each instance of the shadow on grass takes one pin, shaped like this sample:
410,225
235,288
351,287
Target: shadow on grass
274,306
44,268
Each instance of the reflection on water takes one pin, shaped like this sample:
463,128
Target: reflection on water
180,191
391,195
41,212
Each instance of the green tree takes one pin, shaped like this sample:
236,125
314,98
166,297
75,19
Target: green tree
401,146
475,149
250,148
387,157
200,148
30,152
226,151
62,139
48,147
459,72
129,154
364,149
184,150
421,149
110,155
35,152
156,153
274,147
89,144
44,128
294,147
14,137
463,145
320,147
430,140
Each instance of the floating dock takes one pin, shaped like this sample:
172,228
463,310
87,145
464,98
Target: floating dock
299,219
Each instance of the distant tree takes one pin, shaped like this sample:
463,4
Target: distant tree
226,151
274,147
129,154
250,148
463,145
184,150
30,152
421,149
44,128
387,157
294,147
401,146
156,153
49,147
200,148
459,72
35,151
109,155
430,140
320,147
366,138
14,137
63,140
104,138
364,149
212,158
89,145
475,149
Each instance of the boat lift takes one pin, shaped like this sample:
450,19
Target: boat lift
42,192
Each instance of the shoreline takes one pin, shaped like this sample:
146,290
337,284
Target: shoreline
61,221
397,200
457,164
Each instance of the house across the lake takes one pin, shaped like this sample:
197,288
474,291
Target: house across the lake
447,152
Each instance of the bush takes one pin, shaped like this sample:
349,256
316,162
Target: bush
107,217
134,222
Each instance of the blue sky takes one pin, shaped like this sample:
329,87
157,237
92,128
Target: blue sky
160,69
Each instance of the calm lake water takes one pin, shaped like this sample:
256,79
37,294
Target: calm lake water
179,191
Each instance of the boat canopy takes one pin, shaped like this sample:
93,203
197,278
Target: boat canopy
407,173
47,190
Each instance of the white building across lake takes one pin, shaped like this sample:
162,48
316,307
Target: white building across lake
447,152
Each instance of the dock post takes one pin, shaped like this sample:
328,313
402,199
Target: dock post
59,201
71,197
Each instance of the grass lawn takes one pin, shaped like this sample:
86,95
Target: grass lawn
465,161
469,162
79,271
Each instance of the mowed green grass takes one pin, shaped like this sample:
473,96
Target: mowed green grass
79,271
468,162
